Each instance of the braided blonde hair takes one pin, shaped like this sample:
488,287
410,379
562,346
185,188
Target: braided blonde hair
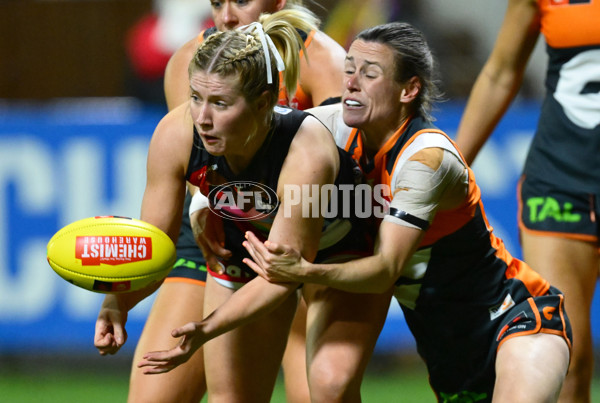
241,53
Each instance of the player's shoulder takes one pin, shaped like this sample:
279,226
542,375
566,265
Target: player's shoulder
176,124
321,42
331,116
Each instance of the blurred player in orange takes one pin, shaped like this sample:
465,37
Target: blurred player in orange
181,297
560,186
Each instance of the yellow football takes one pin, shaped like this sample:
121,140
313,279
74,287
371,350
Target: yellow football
111,254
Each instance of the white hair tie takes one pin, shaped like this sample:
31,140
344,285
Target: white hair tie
267,43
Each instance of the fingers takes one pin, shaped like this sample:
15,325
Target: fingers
255,247
120,334
267,246
106,344
256,268
209,233
258,263
159,362
109,337
185,330
218,249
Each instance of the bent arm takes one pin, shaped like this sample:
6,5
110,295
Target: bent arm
430,180
162,202
501,76
161,206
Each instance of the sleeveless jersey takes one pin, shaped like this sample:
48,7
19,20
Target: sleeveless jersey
566,145
342,235
459,254
186,244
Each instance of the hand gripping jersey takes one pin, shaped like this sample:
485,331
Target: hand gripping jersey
462,283
248,201
566,145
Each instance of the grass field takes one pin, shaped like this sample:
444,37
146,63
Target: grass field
80,382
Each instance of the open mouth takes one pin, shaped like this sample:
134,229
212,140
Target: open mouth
352,103
208,138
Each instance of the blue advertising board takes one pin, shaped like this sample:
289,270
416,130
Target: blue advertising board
65,160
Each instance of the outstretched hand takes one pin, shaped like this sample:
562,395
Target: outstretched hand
158,362
272,261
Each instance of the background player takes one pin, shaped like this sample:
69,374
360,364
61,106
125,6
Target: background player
560,185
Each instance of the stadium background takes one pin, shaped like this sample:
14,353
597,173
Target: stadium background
77,109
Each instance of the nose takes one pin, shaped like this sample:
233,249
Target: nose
203,115
230,20
352,82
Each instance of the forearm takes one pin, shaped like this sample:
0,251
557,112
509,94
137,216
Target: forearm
490,98
501,76
252,301
125,302
369,275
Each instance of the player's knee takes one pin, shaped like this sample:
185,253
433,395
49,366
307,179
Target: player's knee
329,384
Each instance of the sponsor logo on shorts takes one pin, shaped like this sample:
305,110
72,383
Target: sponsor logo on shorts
548,311
499,310
189,264
112,250
514,325
544,208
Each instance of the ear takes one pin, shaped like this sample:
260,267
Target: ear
280,4
411,90
262,103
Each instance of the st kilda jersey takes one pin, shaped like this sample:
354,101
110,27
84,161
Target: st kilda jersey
248,201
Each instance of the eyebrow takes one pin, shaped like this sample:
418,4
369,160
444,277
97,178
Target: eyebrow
351,59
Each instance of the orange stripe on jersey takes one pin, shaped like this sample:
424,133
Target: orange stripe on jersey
449,221
567,23
300,100
200,37
517,269
357,151
380,159
307,42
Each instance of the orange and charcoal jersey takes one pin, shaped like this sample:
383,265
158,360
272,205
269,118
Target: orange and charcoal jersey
458,289
300,100
570,114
